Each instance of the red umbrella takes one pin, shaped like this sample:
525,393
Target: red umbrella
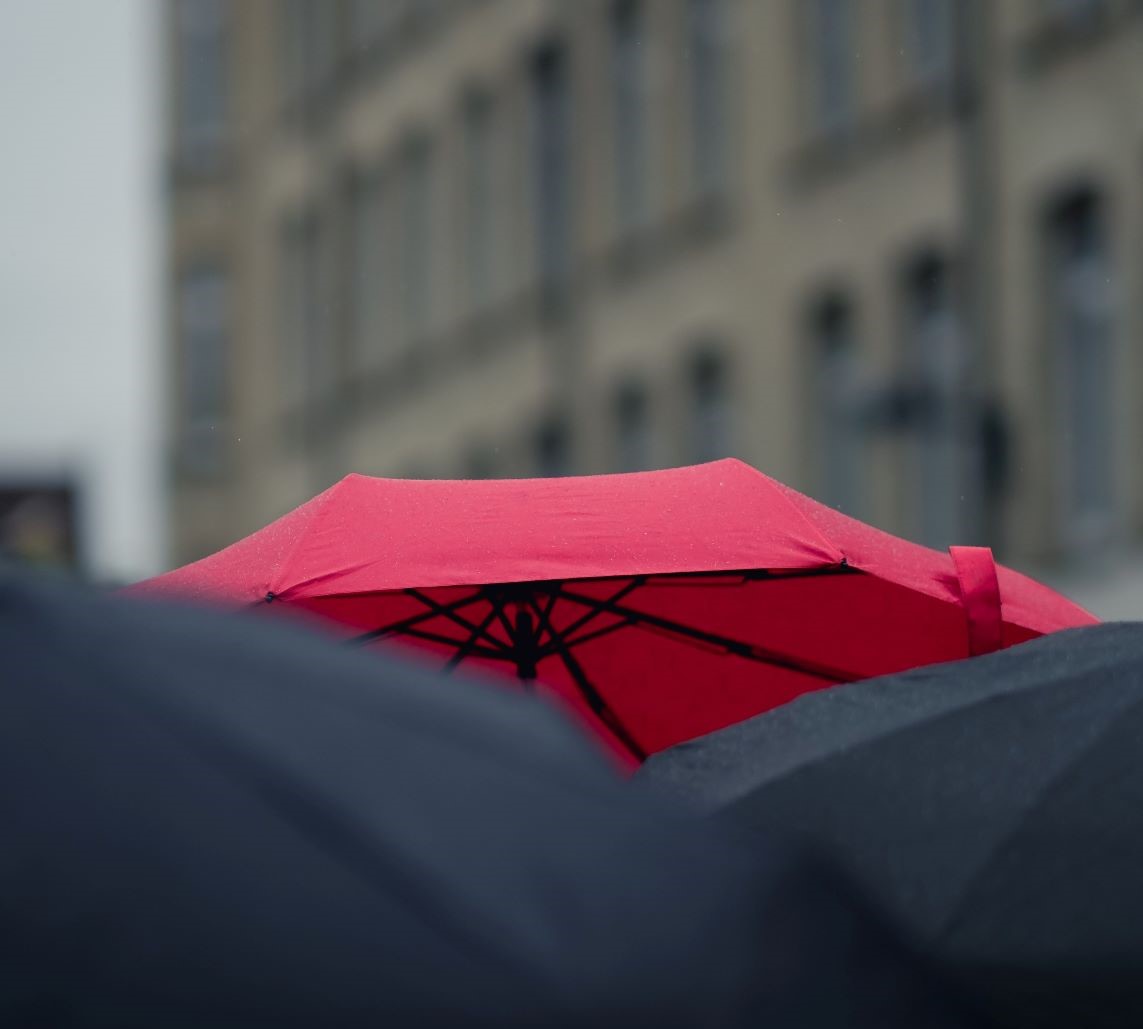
662,605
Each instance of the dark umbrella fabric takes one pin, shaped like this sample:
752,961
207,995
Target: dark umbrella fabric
204,821
993,805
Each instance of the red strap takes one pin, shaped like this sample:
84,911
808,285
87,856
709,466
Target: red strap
980,596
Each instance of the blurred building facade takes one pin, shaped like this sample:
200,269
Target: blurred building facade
887,251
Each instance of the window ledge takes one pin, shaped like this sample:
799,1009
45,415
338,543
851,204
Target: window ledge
642,252
190,165
1055,40
918,109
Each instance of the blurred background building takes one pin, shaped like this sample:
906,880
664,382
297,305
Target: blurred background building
888,251
81,470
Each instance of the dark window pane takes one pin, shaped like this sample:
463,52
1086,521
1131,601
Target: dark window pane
417,228
480,198
836,401
830,27
200,28
936,346
1083,331
628,45
711,416
551,134
929,37
706,33
203,338
633,425
553,450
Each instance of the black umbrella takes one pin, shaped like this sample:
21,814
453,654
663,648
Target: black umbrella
207,821
994,805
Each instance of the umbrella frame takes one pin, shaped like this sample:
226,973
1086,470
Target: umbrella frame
524,611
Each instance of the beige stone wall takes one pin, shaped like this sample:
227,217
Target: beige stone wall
797,215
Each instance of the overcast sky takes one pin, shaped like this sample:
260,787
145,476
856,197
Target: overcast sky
79,278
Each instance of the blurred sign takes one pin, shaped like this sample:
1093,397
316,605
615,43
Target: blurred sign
38,523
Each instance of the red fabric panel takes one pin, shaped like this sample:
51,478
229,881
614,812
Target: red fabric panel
665,688
366,535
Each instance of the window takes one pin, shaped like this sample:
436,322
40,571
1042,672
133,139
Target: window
306,367
633,430
369,21
480,463
628,45
936,356
1075,11
201,91
836,405
551,135
553,449
309,33
481,213
202,336
829,27
928,38
706,41
710,409
416,236
1083,337
365,279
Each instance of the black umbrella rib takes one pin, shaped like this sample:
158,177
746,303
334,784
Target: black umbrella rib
739,648
476,649
580,622
404,624
469,645
496,599
447,612
587,689
746,575
684,579
550,606
587,637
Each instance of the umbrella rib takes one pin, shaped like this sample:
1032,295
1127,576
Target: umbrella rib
452,616
404,624
745,576
595,634
477,649
590,694
579,623
497,600
471,643
739,648
548,608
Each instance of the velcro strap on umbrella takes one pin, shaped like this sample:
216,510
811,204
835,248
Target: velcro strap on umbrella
980,596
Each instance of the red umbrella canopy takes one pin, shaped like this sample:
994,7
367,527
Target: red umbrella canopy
661,605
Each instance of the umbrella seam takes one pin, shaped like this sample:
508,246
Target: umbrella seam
278,583
953,919
923,718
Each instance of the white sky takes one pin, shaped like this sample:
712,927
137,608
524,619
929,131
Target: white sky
80,194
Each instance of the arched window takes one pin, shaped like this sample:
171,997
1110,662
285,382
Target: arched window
1082,333
711,419
633,429
935,353
834,403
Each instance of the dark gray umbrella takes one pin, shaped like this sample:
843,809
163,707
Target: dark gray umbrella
995,806
212,822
